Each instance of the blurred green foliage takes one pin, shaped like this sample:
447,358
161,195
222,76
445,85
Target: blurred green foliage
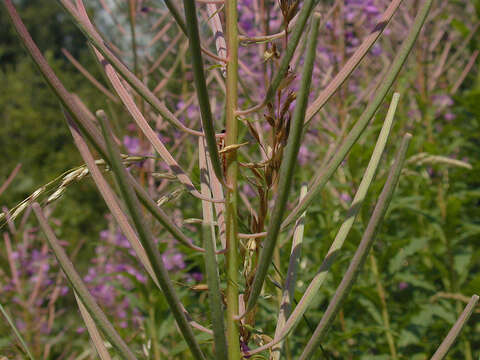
32,127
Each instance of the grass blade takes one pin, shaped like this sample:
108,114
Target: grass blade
201,85
146,238
362,251
17,334
357,202
93,331
352,62
289,288
312,289
211,265
142,123
77,284
286,169
176,15
214,294
94,37
456,329
325,173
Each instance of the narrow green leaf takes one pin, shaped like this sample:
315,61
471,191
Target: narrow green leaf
288,295
287,167
324,174
17,334
363,249
211,265
176,15
80,288
214,294
146,238
201,85
312,290
455,330
93,331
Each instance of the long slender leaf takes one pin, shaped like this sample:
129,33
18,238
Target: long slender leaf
146,238
358,259
211,265
214,294
17,334
142,123
344,230
325,173
312,290
94,37
288,295
353,61
201,85
287,167
93,331
456,329
80,288
176,15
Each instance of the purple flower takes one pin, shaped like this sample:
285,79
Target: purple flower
197,276
132,144
449,116
376,50
304,155
248,191
173,261
402,285
345,197
442,100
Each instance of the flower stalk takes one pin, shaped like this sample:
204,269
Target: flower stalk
231,175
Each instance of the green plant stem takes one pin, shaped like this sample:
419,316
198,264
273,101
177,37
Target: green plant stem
81,290
17,334
201,86
325,173
231,138
363,249
146,239
214,294
383,302
286,169
176,15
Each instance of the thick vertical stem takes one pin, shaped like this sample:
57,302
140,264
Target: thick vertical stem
231,180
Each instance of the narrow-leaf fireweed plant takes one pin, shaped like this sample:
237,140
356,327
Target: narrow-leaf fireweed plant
222,116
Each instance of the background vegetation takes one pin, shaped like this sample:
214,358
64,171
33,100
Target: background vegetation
424,265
